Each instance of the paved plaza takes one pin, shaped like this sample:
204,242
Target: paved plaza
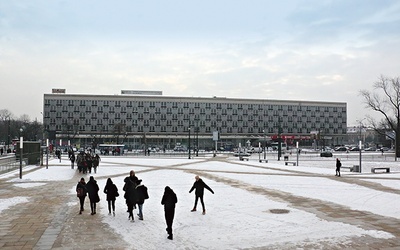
48,222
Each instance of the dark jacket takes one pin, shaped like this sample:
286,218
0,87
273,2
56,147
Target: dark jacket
199,185
130,190
83,186
169,199
111,190
338,164
93,190
142,194
72,157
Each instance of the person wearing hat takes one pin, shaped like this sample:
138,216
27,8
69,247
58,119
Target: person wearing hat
141,191
199,185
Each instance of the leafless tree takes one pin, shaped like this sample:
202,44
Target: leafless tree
386,101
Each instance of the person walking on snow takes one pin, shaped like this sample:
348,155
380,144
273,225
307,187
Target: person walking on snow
142,194
93,191
338,165
81,193
112,192
130,193
169,200
199,185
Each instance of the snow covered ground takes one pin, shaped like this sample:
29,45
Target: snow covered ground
236,218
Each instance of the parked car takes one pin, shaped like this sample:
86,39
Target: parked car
370,149
326,154
341,149
241,153
355,149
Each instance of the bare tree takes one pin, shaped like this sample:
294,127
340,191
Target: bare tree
385,100
5,114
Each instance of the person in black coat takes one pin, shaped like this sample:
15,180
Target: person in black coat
71,158
112,192
93,191
130,193
199,185
81,192
338,165
142,194
169,200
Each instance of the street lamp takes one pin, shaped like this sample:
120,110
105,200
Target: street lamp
360,142
8,135
279,142
265,145
21,146
189,142
197,138
47,153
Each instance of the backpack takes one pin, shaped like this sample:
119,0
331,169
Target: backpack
80,192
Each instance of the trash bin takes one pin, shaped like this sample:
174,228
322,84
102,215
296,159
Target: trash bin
286,158
356,168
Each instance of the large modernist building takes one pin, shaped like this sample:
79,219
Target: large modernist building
141,119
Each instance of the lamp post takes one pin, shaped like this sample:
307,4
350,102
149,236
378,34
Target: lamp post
297,153
360,143
279,142
47,153
197,138
8,135
189,142
265,145
21,147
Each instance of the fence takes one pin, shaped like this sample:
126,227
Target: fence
10,162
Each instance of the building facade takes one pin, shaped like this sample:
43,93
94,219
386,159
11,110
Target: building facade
163,121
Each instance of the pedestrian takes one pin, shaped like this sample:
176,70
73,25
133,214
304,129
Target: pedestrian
72,159
96,162
169,200
80,162
89,162
81,193
112,192
199,185
142,194
93,191
130,193
58,154
338,165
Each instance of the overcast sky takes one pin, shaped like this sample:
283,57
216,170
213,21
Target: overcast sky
289,49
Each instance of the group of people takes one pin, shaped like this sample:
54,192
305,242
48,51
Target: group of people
85,162
135,194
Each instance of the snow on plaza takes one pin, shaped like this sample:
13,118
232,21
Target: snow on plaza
253,206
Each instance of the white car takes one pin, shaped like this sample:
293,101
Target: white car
241,153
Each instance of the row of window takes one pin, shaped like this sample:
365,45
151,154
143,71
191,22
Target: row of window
126,105
181,129
179,111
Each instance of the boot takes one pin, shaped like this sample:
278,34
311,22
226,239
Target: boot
204,212
170,237
193,210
